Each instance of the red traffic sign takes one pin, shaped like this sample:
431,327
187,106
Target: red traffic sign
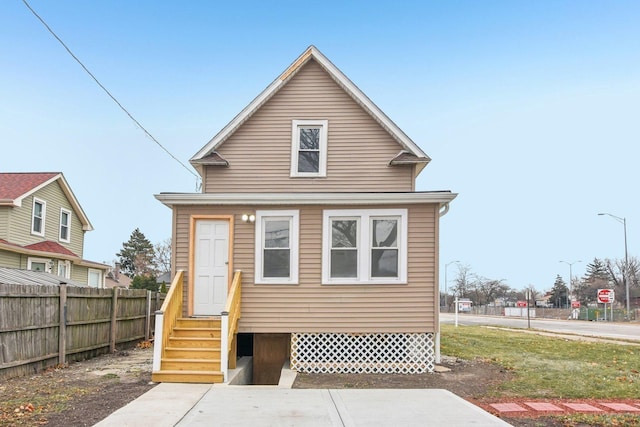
575,304
606,296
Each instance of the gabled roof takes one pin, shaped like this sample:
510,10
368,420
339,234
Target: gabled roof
208,151
14,187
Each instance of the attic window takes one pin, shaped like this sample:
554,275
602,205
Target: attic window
309,148
38,217
65,225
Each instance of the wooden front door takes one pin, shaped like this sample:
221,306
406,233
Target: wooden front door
211,267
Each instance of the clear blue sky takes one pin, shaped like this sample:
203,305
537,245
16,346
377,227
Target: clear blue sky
529,110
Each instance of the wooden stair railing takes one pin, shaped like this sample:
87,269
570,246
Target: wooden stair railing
229,325
167,317
195,350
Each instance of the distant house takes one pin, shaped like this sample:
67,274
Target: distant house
116,278
42,227
544,301
164,278
309,206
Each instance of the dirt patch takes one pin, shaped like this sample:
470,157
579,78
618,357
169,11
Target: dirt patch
466,378
78,395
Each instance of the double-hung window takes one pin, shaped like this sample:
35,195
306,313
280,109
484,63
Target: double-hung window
94,278
38,217
309,148
276,257
65,225
364,246
64,269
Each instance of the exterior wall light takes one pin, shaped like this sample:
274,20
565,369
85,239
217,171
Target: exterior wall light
249,218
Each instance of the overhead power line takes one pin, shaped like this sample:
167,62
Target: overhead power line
107,91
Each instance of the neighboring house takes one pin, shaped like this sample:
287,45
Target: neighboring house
164,278
544,301
116,278
310,193
42,228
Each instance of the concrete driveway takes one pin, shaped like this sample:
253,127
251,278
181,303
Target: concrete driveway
221,405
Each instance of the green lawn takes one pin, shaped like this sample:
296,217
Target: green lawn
546,367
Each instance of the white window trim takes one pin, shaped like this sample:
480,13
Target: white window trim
47,263
33,216
294,217
100,277
68,239
67,264
364,246
322,166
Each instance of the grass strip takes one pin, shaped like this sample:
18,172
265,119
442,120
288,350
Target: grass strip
549,367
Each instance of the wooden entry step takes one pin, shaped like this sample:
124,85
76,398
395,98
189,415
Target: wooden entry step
192,353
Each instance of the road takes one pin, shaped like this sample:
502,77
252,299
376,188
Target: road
623,331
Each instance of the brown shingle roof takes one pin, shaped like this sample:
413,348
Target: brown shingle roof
14,185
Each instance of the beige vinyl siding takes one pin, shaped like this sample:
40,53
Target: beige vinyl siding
312,307
4,222
55,198
79,273
359,149
9,259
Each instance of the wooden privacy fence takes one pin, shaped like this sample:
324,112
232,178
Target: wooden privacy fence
43,326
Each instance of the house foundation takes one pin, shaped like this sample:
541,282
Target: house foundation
380,353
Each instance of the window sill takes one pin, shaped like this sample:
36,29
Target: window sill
365,282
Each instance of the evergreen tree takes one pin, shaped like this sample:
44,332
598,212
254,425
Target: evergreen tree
559,293
596,271
144,282
596,277
137,255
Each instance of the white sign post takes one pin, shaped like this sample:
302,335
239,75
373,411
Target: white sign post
606,296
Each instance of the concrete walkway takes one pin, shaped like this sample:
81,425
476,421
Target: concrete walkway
222,405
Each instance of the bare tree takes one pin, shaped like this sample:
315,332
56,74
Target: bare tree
489,290
162,256
463,281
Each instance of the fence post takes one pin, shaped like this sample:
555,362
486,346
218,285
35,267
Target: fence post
147,326
114,321
62,325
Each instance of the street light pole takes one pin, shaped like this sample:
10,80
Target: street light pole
625,280
445,281
570,276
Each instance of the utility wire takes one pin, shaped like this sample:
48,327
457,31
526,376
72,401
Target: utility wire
107,91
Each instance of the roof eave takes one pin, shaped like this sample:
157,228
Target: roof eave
34,252
266,199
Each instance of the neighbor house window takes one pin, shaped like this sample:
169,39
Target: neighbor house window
64,269
309,148
37,219
364,246
65,225
39,264
276,257
94,278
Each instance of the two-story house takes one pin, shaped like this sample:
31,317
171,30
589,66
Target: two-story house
42,228
310,193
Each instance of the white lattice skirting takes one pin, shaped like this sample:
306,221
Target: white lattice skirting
395,353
